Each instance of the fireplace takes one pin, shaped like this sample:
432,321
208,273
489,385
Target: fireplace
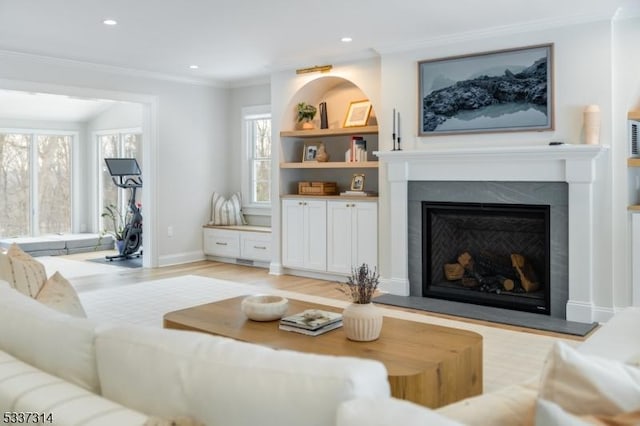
492,254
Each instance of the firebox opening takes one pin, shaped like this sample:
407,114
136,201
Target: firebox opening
487,254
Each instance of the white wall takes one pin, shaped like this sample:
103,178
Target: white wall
120,115
190,135
624,190
584,73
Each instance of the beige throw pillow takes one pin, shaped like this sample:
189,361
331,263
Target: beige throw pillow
57,293
589,385
5,267
29,275
226,212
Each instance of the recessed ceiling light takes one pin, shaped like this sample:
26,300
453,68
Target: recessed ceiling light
110,22
346,39
194,67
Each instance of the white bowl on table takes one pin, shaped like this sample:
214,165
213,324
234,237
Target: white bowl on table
264,307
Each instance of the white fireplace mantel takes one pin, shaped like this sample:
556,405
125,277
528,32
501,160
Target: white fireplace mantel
574,164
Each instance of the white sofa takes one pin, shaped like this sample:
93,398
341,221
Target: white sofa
600,376
84,373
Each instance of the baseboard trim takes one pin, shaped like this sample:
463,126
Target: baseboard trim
177,259
396,286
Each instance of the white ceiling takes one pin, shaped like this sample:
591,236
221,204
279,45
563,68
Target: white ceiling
239,40
41,106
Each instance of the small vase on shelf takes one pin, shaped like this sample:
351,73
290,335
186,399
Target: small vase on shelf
321,155
362,320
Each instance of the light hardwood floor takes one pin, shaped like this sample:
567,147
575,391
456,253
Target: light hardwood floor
258,277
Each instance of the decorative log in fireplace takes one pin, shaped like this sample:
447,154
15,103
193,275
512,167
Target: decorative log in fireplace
489,254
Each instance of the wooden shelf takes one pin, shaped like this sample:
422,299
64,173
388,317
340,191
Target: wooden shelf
634,115
345,131
331,197
633,162
634,208
330,165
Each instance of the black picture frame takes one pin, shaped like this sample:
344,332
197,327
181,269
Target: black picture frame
508,90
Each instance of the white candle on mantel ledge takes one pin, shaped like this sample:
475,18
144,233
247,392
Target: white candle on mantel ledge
398,124
394,121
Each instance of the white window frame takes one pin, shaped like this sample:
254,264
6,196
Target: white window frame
33,188
252,113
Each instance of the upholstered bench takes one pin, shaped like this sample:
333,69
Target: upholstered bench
54,245
246,244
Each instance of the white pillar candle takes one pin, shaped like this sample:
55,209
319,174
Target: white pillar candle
592,125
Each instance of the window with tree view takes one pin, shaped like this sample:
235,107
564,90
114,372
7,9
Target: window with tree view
35,183
258,135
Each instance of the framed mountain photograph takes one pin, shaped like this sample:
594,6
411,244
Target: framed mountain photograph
501,91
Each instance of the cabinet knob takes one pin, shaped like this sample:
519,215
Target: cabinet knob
260,247
221,244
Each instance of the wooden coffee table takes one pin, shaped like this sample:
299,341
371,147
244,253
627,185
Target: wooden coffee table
427,364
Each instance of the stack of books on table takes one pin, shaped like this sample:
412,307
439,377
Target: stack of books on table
359,193
312,322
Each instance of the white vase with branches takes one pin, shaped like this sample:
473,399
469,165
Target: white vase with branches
362,320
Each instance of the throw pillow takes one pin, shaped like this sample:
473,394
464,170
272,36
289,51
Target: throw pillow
226,212
57,293
29,275
585,384
174,421
5,268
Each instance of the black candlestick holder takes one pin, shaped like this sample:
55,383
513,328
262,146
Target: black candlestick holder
399,149
394,142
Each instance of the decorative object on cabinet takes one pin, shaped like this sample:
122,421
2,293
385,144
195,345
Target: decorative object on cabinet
322,156
317,188
357,182
362,320
310,151
455,96
324,121
306,113
592,125
358,114
226,212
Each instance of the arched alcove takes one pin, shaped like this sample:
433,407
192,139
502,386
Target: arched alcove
337,92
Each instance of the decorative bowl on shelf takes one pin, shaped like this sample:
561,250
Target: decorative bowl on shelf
264,307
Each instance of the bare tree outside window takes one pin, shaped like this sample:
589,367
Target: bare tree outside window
261,170
116,145
54,183
15,184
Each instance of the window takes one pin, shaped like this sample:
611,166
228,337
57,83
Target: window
35,182
116,144
256,170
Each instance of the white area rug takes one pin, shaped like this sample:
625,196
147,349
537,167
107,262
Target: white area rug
76,268
509,357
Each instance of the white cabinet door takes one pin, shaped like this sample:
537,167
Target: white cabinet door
293,233
352,235
365,234
339,230
304,234
315,254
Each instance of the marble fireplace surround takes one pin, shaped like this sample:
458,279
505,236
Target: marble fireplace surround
573,164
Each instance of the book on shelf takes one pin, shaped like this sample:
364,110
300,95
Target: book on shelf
360,193
316,332
311,319
357,151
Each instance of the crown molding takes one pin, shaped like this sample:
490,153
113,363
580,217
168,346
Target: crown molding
498,31
129,72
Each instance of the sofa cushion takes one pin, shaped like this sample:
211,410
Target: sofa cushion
226,212
29,275
388,411
612,340
549,413
585,384
24,388
57,293
508,406
37,334
5,268
214,379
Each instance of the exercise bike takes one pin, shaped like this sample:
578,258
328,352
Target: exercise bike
125,173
